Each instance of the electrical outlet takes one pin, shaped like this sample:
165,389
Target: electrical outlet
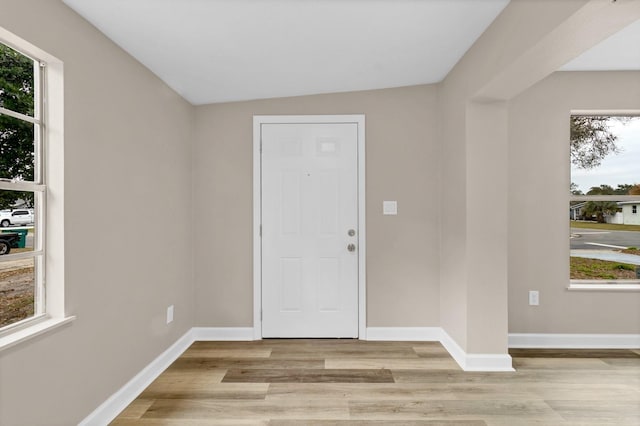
390,208
169,314
534,298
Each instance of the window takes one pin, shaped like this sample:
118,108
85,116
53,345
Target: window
31,191
22,188
605,191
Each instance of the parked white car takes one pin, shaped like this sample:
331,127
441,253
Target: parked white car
16,217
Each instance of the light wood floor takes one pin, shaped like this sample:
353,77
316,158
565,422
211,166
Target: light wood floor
336,382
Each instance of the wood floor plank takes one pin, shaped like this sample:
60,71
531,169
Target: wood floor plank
298,422
560,363
247,410
392,363
571,376
308,376
227,353
397,391
533,422
179,379
450,376
188,422
581,392
623,362
451,409
136,409
246,364
311,352
434,351
422,344
219,391
598,411
351,346
349,391
230,344
355,343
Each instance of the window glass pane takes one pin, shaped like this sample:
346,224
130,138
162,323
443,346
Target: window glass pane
17,290
605,154
16,81
605,240
17,221
605,235
17,149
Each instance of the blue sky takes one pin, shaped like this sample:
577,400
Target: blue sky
615,169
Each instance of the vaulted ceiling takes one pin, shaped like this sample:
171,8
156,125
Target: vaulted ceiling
228,50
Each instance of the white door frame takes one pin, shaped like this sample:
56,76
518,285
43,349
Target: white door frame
258,121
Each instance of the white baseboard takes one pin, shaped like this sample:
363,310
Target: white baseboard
488,362
223,333
113,406
574,341
475,362
407,334
468,362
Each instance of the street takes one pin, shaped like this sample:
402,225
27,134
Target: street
591,239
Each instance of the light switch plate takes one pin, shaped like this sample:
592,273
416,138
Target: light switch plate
390,207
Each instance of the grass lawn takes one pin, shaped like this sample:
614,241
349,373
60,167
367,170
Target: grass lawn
594,269
16,295
608,226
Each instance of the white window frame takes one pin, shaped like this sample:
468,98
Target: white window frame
48,185
603,285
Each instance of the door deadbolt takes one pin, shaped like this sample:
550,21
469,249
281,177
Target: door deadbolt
351,247
351,232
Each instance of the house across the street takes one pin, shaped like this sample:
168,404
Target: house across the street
630,212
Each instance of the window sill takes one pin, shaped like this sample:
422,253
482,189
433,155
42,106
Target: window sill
32,331
600,285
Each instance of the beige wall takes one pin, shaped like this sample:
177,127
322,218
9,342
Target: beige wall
473,303
139,159
539,178
128,205
402,164
526,43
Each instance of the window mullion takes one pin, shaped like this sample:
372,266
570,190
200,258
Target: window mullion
19,116
39,134
9,185
18,256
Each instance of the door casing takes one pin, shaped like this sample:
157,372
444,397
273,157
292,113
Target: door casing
258,120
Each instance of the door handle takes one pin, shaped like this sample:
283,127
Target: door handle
351,247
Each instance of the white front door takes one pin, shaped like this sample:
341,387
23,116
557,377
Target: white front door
309,230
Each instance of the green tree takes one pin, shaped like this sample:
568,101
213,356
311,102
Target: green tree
574,189
600,209
16,136
623,189
591,140
601,190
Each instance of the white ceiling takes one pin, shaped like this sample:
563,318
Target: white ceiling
228,50
621,51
